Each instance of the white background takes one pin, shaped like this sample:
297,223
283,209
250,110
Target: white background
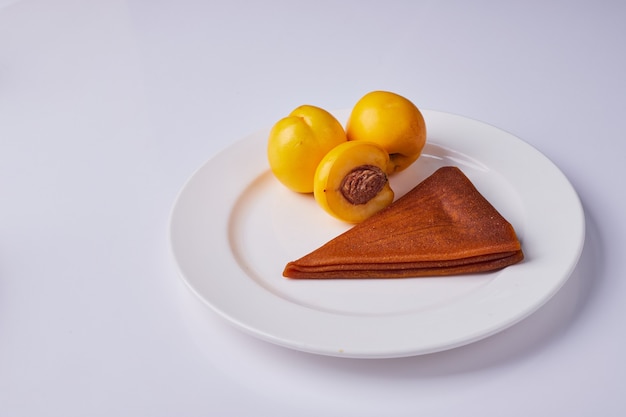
107,107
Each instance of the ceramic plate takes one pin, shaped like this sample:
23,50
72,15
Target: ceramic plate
234,227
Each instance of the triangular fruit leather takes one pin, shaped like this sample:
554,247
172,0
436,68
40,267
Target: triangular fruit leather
443,226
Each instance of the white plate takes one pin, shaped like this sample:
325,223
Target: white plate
234,227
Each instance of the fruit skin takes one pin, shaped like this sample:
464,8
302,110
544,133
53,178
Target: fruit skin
298,142
340,162
393,122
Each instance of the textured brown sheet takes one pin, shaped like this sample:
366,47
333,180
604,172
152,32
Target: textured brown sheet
443,226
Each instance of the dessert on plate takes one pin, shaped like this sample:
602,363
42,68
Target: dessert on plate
443,226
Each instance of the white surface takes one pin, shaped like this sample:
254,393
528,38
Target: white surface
232,238
107,107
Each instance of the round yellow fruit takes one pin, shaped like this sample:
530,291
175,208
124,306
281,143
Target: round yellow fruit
351,183
298,142
393,122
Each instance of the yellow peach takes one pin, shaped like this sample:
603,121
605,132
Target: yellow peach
393,122
298,142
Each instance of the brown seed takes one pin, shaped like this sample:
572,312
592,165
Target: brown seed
362,184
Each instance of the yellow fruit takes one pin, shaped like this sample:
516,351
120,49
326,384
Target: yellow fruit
351,183
298,142
391,121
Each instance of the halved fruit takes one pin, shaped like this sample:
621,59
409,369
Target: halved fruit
351,181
